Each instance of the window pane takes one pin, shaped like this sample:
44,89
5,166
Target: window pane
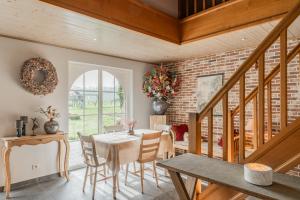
91,103
108,110
75,125
78,83
108,120
120,103
91,80
108,99
108,81
118,86
76,102
91,124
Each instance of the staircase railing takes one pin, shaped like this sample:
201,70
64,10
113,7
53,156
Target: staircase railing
257,96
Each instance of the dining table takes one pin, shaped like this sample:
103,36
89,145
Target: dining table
120,148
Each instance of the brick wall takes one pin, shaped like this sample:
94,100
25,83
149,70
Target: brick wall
228,63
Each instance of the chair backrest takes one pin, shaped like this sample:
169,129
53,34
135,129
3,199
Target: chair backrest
88,149
149,147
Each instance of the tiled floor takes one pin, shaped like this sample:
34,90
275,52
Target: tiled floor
59,189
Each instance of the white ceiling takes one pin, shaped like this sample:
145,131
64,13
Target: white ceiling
37,21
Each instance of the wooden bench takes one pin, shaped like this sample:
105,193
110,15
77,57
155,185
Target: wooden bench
216,171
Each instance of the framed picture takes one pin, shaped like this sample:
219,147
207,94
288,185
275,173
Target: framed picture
207,87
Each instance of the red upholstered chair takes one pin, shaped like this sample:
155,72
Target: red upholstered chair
178,131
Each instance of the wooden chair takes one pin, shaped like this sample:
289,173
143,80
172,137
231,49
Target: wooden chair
91,160
148,153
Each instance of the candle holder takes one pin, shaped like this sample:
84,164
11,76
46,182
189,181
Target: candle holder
19,126
25,121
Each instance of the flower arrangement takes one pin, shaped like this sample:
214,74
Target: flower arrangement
50,113
160,83
130,125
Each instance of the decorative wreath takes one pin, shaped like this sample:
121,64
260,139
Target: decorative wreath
38,76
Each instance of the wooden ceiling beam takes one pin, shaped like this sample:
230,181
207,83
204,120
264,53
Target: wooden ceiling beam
131,14
234,15
134,15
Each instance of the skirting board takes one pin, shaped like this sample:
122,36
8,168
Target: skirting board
31,181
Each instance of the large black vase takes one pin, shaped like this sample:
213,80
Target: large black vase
160,107
51,127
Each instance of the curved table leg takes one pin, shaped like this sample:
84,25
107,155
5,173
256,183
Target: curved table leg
59,159
66,161
6,154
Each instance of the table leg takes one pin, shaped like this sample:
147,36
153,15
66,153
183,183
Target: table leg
6,159
179,185
66,162
114,186
59,169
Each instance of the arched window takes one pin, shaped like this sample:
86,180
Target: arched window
97,100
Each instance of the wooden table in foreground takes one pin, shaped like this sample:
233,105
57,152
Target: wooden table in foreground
10,142
216,171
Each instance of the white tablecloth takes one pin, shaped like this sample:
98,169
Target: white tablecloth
120,148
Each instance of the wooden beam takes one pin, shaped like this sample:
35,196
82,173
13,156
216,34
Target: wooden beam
242,120
270,121
194,134
130,14
225,127
255,125
210,133
283,80
220,19
230,137
261,100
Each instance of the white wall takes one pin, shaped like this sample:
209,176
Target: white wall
15,101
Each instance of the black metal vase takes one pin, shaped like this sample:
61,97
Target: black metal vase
51,127
160,107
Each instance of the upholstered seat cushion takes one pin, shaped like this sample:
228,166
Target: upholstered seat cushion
179,131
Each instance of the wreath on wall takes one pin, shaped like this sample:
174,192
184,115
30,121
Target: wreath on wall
38,76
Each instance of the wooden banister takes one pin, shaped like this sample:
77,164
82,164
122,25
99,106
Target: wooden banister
269,88
283,79
242,119
261,100
267,42
269,78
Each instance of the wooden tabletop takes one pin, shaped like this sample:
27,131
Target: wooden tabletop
284,187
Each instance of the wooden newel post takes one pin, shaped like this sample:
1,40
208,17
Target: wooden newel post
193,185
194,134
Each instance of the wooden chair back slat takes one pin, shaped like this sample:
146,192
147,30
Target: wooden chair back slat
88,150
149,147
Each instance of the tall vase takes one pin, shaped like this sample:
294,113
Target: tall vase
160,107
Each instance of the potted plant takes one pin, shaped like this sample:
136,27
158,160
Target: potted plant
161,85
51,126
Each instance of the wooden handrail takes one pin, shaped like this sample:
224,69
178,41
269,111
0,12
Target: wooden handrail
269,78
260,50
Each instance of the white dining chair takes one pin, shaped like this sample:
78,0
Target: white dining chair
92,161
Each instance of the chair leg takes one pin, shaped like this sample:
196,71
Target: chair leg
104,172
126,174
91,175
134,168
85,177
154,169
95,181
118,183
142,176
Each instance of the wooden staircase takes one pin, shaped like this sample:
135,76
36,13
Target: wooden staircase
282,151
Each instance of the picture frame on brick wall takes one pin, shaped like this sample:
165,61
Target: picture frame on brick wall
207,87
